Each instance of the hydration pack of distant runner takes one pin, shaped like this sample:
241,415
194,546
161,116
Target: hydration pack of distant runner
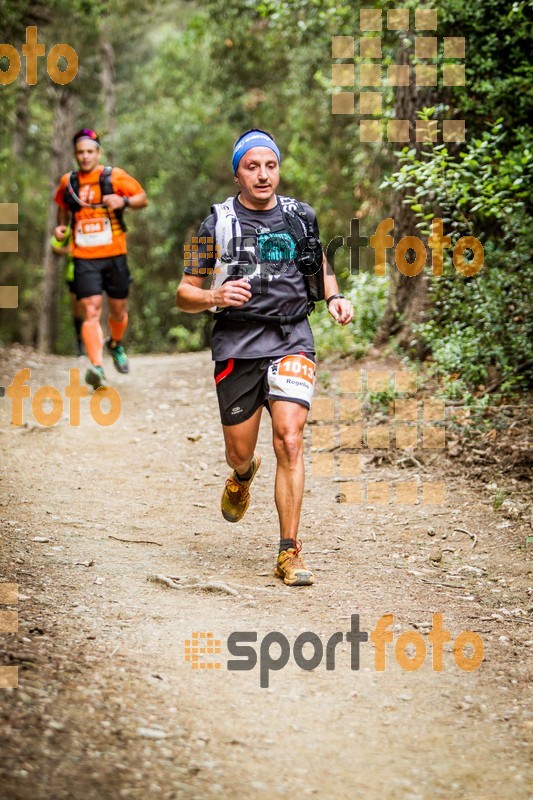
74,202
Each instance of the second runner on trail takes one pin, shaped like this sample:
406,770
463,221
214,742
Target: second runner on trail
92,200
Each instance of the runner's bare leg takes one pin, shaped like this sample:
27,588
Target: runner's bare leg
91,330
117,308
240,442
92,307
288,422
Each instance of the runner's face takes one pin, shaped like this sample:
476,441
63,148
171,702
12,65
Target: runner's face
258,178
87,154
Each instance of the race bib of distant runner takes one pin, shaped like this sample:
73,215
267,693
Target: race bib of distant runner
292,378
93,232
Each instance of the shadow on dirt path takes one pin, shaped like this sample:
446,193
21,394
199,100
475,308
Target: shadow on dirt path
107,706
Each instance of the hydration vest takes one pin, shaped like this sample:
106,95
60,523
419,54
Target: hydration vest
72,191
308,259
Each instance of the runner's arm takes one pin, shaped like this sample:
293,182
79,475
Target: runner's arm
127,192
117,201
192,299
340,309
63,219
191,296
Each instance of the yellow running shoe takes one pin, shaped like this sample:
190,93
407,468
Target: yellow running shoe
236,495
292,568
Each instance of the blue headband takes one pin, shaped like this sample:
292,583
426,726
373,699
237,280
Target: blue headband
249,140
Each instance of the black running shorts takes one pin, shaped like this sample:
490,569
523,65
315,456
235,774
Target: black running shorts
97,275
243,386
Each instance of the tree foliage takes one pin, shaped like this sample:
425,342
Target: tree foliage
479,328
189,78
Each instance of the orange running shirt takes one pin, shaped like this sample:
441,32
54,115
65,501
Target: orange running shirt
98,220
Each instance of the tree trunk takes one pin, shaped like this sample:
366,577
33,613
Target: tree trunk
65,105
407,300
22,121
107,79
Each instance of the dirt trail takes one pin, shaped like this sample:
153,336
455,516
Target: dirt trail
108,708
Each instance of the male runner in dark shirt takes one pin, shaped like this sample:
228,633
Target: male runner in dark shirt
257,363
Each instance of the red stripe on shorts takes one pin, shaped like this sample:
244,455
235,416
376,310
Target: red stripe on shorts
226,372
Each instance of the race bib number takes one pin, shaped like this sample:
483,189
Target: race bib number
292,378
93,232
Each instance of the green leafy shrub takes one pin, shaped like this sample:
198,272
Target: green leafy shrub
185,340
368,294
479,328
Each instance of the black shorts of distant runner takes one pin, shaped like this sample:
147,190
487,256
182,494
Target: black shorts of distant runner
94,276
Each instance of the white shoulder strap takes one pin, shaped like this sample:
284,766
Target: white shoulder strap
227,228
227,224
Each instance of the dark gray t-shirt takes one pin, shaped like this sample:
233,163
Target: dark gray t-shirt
276,285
